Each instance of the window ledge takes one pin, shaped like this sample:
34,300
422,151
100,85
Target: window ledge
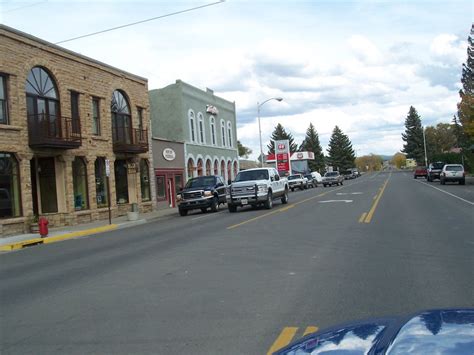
83,212
12,220
99,138
8,127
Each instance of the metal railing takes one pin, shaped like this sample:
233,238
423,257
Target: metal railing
131,140
52,131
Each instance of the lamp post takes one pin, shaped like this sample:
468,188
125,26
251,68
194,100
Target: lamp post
260,127
424,145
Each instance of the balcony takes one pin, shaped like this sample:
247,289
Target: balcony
49,131
130,140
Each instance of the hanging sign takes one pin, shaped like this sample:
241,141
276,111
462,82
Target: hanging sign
169,154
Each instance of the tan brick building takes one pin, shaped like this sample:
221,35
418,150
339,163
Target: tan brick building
63,118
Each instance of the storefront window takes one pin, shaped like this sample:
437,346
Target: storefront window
208,167
100,183
190,168
216,167
236,169
121,181
160,187
10,205
79,179
199,167
145,180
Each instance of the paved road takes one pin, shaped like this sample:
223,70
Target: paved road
247,282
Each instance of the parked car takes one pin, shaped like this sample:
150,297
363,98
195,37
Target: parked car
332,178
317,177
297,181
254,187
348,175
202,193
311,180
420,171
454,173
355,172
434,171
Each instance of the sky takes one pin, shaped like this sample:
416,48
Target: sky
356,64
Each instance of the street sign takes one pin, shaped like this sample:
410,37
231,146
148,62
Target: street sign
107,167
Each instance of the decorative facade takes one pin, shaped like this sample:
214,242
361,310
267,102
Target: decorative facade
74,136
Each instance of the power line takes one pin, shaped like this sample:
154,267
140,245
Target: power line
23,7
142,21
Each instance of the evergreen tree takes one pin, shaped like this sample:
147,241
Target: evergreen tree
466,106
311,144
341,156
413,136
280,134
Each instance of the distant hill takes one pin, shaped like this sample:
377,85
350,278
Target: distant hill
386,157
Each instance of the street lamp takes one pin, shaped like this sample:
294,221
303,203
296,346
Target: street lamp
424,144
260,127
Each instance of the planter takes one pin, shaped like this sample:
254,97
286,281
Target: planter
34,228
132,216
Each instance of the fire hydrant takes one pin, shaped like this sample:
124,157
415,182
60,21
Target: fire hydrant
43,227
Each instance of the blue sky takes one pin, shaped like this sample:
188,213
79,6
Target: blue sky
357,64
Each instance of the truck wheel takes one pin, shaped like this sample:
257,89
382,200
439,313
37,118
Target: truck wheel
269,202
342,183
284,199
292,189
462,182
232,208
414,177
215,204
442,182
183,212
203,209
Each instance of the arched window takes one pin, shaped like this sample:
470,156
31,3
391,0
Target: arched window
229,170
223,169
229,134
236,170
202,134
42,103
192,126
121,181
79,182
190,168
145,180
100,183
208,167
216,167
223,132
199,167
10,203
213,130
121,118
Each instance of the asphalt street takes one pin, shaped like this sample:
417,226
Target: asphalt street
246,282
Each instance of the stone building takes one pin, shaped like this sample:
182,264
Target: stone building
66,122
203,122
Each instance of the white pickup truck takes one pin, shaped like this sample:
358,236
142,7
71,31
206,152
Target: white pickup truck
256,187
297,181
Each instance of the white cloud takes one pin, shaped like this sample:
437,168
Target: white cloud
448,49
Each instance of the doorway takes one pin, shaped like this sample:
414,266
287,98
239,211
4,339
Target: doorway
43,185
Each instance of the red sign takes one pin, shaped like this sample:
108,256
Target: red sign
282,156
299,155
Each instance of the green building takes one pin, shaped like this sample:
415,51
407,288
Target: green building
204,123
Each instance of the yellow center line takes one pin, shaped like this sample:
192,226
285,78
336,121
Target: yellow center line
310,330
369,216
361,219
283,339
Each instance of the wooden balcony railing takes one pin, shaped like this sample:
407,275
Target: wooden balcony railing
130,140
51,131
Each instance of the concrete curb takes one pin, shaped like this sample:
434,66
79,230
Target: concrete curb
57,238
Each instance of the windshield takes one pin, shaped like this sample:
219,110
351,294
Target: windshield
330,174
454,168
203,181
438,165
308,176
252,175
294,177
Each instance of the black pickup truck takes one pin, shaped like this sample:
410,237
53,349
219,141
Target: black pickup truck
202,193
434,171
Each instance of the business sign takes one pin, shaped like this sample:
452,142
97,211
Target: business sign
107,167
282,156
169,154
212,110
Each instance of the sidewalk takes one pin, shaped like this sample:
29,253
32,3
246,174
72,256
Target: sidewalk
62,233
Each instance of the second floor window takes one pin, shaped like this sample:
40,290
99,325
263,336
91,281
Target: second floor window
140,118
3,100
202,137
229,133
223,133
192,133
96,116
213,130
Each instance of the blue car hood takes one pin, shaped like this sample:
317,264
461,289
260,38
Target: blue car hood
446,331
